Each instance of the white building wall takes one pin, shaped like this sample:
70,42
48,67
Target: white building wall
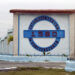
10,48
26,48
5,48
0,46
10,45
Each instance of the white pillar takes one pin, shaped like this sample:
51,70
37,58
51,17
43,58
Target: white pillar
72,36
15,34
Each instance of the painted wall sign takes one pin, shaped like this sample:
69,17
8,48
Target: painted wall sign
44,33
30,33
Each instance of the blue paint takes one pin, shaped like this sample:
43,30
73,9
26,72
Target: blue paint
33,58
55,24
44,33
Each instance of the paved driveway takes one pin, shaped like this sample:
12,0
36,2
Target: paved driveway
5,64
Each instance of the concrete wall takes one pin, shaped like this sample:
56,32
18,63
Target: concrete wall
15,34
12,48
72,36
23,26
5,48
26,48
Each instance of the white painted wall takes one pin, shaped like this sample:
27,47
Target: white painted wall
5,48
62,48
0,46
10,47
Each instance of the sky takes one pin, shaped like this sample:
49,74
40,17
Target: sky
6,18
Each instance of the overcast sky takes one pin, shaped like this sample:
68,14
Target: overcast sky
6,18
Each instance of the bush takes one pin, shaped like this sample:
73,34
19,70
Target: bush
64,55
28,55
10,38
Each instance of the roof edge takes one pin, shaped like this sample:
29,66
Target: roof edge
20,11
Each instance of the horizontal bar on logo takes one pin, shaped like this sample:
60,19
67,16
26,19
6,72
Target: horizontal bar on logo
44,33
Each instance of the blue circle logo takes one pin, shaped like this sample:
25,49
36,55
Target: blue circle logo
58,33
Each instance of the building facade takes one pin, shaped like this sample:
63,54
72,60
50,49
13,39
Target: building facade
44,32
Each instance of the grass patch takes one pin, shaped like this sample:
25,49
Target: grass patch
36,71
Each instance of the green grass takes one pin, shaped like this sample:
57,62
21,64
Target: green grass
36,71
